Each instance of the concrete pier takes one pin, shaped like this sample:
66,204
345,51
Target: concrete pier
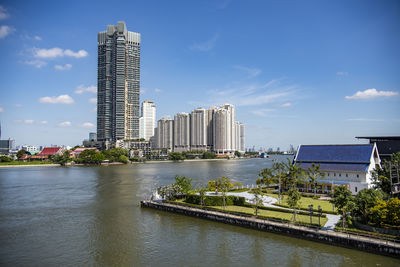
367,244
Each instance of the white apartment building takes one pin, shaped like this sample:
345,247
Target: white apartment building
165,133
222,131
181,132
147,121
198,129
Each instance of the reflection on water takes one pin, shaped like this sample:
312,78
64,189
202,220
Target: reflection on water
90,216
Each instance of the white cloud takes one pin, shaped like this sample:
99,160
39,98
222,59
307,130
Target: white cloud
286,105
251,72
37,38
57,52
61,67
3,13
342,73
1,109
93,100
42,122
65,124
5,30
36,63
262,112
88,125
25,121
207,45
363,119
79,54
143,90
82,89
61,99
157,90
371,93
251,94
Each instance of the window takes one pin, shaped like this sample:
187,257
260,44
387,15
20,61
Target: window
334,174
328,173
347,175
355,189
358,176
340,175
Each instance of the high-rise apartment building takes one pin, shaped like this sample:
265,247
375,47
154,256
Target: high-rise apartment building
118,83
210,127
222,131
198,129
147,121
181,132
165,134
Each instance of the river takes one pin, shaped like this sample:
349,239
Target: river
89,216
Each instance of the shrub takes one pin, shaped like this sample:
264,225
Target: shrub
215,200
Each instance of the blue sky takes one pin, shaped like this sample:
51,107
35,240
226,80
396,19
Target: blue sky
298,72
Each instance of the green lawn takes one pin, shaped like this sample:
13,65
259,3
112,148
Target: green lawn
326,206
24,163
273,214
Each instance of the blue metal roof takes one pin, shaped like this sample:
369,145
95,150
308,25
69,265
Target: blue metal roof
335,153
339,167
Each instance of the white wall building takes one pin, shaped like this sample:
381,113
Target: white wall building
198,129
165,133
181,132
222,131
147,121
349,165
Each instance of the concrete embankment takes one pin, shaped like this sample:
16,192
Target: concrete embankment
382,247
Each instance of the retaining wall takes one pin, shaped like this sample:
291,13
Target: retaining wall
367,244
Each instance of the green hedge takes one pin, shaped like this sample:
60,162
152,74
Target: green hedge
216,200
305,209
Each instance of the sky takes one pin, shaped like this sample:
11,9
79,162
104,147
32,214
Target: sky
298,72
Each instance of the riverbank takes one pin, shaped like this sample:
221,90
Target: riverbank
183,161
367,244
30,165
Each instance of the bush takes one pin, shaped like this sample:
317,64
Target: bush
5,159
215,200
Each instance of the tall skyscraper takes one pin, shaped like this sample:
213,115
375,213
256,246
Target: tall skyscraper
181,132
118,83
210,127
147,122
198,129
222,131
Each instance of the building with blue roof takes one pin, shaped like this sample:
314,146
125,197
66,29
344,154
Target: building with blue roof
349,165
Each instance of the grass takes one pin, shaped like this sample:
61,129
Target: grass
354,230
24,163
273,214
267,213
326,206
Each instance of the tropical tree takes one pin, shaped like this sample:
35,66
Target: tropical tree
386,212
224,184
343,201
314,174
257,199
175,156
293,200
276,174
183,184
365,200
381,175
202,193
295,174
20,153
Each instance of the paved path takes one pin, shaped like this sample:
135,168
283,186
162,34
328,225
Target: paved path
270,201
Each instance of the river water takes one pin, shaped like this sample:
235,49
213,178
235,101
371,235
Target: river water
85,216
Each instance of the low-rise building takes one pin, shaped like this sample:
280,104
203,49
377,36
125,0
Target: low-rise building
349,165
75,153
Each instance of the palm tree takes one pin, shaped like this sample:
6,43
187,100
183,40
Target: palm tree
314,174
295,173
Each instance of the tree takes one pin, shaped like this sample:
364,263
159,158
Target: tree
293,200
257,199
175,156
183,184
314,174
238,154
5,159
381,176
343,201
365,200
123,159
64,158
202,193
224,184
209,155
295,174
386,212
276,174
20,153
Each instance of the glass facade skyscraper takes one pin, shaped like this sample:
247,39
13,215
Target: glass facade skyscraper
118,83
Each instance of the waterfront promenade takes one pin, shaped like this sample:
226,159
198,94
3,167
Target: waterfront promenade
364,243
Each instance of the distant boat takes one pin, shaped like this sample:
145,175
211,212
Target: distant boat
264,155
288,153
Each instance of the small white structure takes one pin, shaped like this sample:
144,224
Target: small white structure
349,165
